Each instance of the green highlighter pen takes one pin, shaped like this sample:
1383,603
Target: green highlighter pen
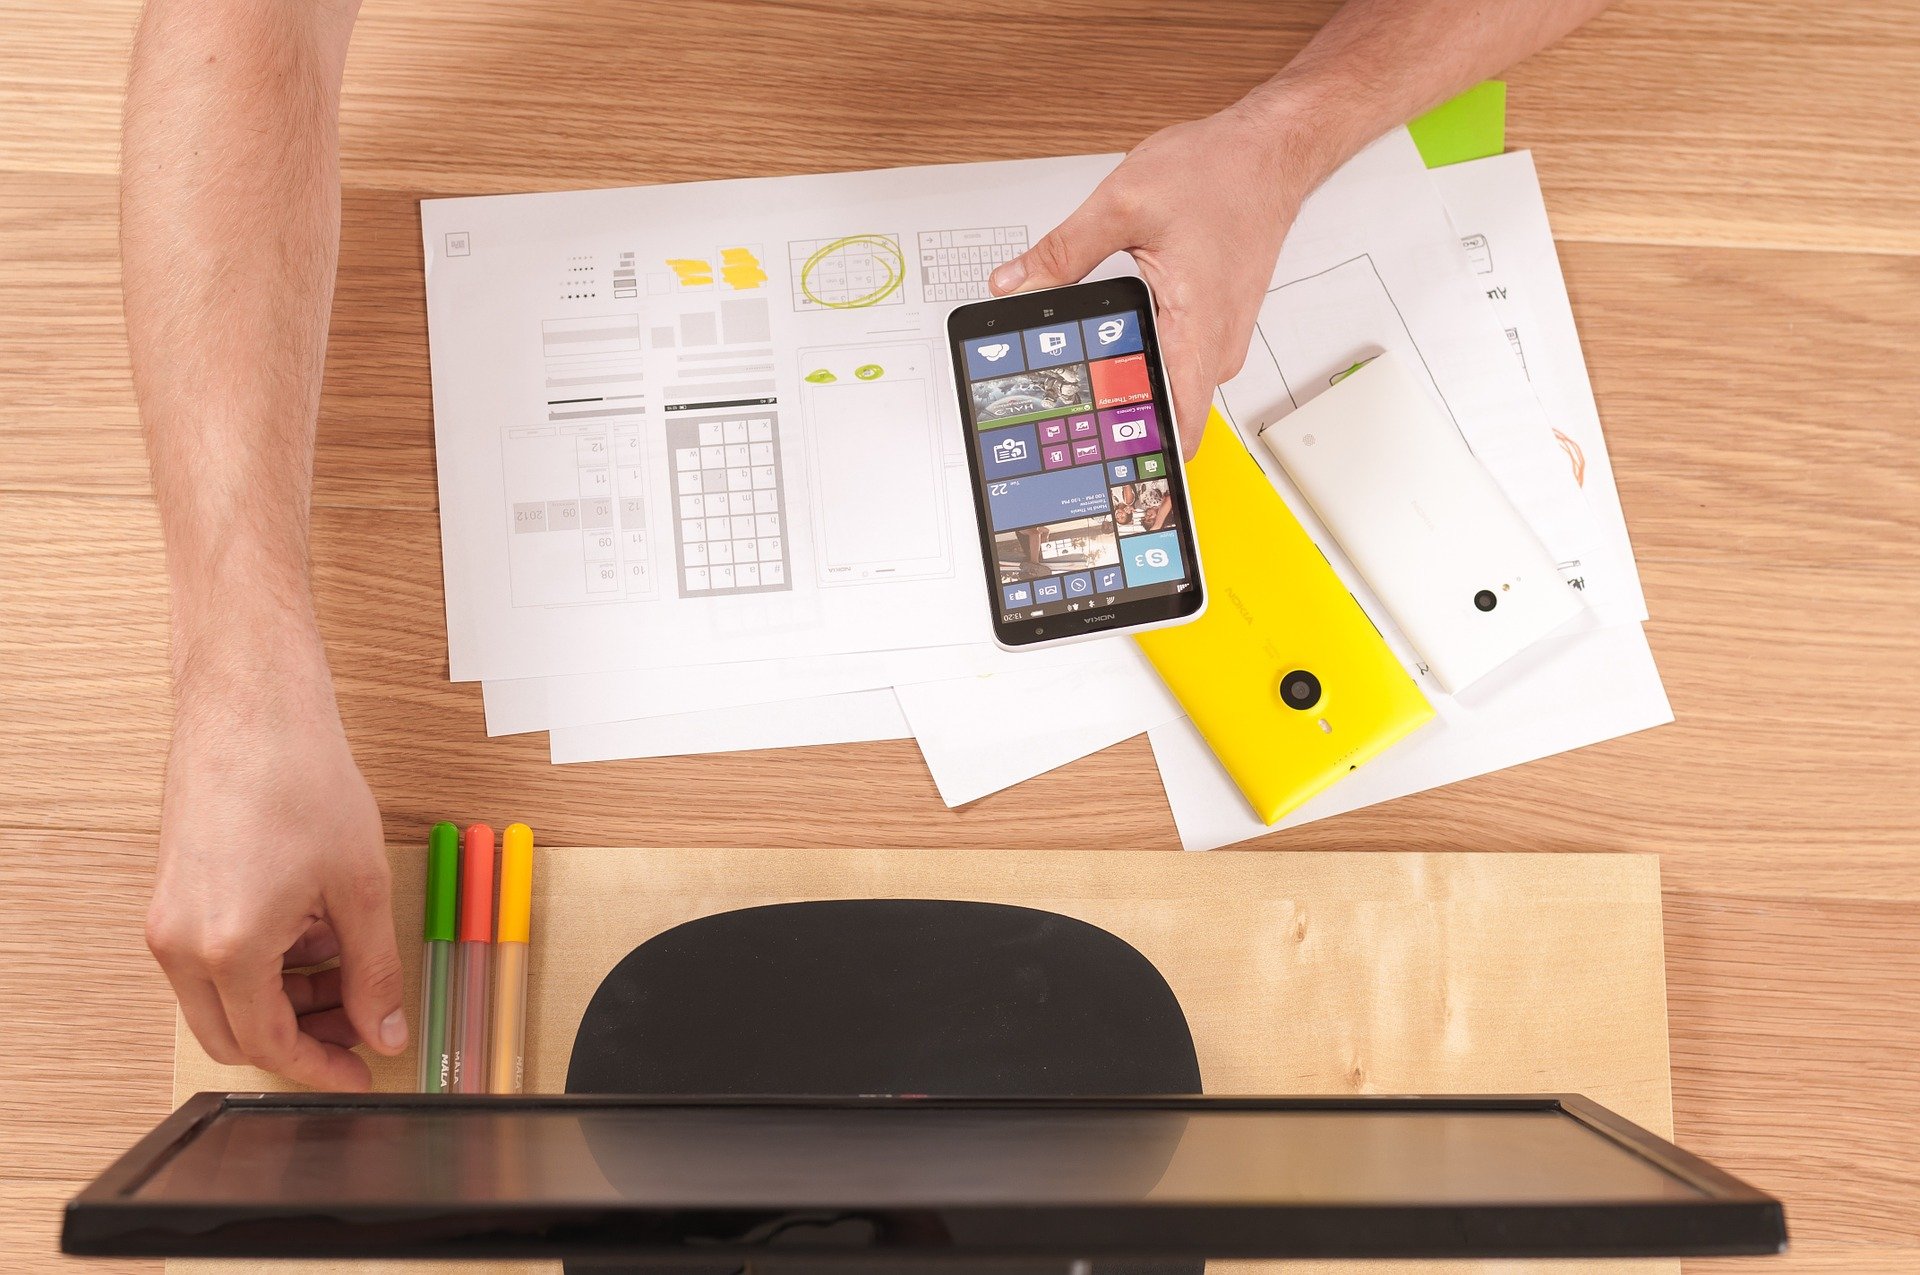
436,964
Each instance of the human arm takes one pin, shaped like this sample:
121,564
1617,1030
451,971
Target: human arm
1203,206
271,850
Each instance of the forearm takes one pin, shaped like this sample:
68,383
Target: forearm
229,240
1378,63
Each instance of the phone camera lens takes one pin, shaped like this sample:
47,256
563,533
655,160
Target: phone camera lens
1300,690
1486,600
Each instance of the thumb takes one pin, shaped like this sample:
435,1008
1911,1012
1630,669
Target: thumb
1190,377
1092,234
370,981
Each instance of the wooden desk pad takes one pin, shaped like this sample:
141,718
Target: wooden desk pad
1300,973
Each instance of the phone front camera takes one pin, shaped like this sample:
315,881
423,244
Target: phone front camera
1486,600
1300,690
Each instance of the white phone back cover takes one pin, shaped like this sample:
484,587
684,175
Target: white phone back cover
1424,523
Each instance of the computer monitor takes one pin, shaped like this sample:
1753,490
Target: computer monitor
759,1181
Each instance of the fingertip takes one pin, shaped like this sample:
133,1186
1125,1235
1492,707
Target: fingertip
392,1035
1007,277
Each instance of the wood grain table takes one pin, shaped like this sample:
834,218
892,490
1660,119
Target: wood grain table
1736,188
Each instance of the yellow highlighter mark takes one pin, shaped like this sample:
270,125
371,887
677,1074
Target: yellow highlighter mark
741,269
691,272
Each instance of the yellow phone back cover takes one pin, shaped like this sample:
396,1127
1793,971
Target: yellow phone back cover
1274,605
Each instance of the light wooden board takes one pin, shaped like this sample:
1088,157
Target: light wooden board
1760,406
1300,974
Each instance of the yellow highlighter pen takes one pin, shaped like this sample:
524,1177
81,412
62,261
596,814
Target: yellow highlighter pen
512,939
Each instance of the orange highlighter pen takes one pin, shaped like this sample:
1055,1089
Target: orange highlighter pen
471,974
507,1064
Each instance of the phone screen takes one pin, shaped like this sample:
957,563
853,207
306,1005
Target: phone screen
1078,487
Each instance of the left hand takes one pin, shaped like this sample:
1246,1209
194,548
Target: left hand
1202,207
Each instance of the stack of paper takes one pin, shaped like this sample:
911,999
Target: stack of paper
703,487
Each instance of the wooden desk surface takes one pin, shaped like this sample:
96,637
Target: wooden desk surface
1736,186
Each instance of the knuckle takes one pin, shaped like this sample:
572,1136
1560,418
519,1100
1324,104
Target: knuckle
163,936
1053,254
380,975
270,1052
1126,201
222,952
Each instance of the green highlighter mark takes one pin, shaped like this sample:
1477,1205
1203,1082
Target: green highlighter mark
820,376
1345,372
869,371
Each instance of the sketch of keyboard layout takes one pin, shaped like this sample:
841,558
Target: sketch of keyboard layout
954,264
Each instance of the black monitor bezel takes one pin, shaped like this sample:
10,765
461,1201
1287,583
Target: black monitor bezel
1074,302
1730,1218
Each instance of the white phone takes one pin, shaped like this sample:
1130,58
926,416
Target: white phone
1436,539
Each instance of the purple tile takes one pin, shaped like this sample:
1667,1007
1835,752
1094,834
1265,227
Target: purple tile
1129,431
1082,427
1086,453
1053,431
1056,457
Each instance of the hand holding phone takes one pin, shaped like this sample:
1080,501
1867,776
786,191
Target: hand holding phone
1079,491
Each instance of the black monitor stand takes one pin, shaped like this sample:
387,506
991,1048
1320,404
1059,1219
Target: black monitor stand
885,996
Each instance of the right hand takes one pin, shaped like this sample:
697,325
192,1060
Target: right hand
272,859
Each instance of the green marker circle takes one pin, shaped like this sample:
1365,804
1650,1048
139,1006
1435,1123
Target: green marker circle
881,249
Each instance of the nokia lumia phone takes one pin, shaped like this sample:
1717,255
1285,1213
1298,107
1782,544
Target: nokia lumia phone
1436,539
1078,489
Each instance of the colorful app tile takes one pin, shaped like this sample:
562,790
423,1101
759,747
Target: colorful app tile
1029,396
1047,590
1054,431
1085,453
1112,334
1058,456
1048,497
1082,427
1122,380
1079,544
1008,453
1017,595
1079,586
1129,431
1119,471
1154,466
994,356
1142,506
1076,544
1108,580
1153,558
1053,345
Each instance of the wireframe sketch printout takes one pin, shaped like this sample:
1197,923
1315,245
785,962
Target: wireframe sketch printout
709,424
705,423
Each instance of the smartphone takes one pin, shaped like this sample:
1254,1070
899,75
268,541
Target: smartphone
1450,558
1078,490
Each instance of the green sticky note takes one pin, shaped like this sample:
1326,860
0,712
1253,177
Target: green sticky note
1471,126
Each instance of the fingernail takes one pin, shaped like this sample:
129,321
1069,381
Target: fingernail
1009,275
393,1030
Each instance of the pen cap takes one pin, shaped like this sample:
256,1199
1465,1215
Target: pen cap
476,886
516,883
443,881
